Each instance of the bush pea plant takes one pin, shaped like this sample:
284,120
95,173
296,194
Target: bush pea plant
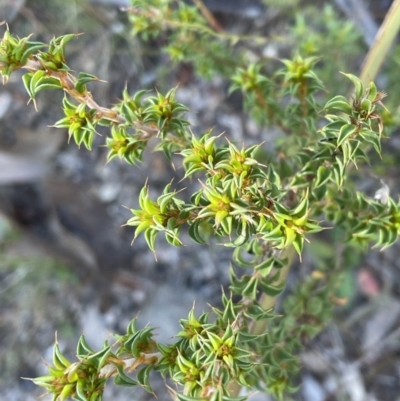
264,205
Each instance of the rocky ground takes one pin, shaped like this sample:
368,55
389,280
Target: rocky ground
66,263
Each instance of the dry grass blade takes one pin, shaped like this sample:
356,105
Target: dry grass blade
383,41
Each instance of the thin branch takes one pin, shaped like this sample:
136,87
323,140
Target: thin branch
208,16
68,81
267,302
110,369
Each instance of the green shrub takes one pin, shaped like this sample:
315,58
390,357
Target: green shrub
263,204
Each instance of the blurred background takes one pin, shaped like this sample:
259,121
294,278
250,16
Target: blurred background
66,264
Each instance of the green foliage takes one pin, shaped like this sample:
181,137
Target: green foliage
316,30
80,122
189,36
78,380
14,53
262,207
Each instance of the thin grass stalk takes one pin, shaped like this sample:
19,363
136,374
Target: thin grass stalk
383,42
